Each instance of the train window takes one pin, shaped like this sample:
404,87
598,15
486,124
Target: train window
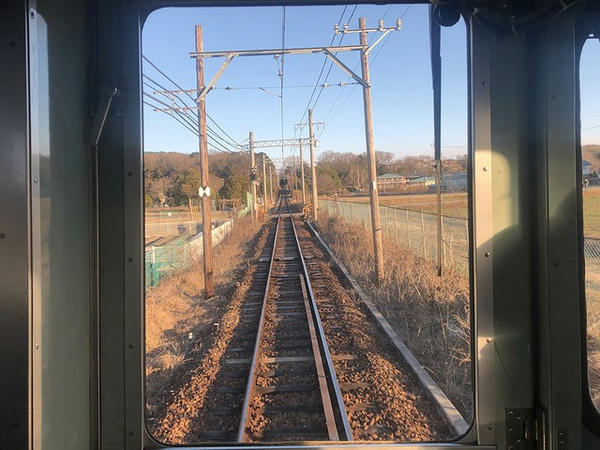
590,185
299,285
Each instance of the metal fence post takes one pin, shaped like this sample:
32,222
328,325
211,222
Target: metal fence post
443,247
423,234
396,224
407,230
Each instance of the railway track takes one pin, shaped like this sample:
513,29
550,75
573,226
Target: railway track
291,391
305,362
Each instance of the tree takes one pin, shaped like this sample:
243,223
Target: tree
328,181
187,185
235,187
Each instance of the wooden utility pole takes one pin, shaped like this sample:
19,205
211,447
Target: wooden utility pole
302,172
271,186
372,164
252,175
204,191
313,169
264,182
436,75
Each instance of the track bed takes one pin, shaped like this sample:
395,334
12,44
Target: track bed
303,361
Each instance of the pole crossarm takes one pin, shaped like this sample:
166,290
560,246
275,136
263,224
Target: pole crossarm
215,78
277,51
345,68
380,29
279,142
301,125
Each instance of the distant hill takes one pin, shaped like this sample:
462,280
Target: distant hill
591,153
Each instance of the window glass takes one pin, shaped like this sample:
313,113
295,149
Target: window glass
287,327
590,185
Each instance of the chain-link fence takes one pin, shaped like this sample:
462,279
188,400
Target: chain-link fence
416,231
591,251
178,253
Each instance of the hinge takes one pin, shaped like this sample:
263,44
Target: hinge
525,429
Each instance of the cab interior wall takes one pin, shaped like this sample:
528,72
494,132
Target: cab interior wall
535,278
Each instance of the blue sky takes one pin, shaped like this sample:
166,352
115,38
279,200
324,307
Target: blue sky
400,75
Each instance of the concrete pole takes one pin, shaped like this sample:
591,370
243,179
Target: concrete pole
209,282
313,169
264,182
302,173
252,171
372,165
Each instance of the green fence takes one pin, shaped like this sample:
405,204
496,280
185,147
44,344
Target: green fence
178,253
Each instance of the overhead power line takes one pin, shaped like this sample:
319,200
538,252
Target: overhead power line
187,122
316,85
185,110
327,116
191,98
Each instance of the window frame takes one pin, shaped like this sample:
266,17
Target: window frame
482,433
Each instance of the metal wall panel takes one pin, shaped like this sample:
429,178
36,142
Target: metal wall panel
14,338
60,225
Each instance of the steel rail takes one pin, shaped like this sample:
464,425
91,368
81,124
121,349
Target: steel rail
251,383
321,374
326,354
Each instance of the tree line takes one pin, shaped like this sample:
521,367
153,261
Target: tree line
173,179
343,171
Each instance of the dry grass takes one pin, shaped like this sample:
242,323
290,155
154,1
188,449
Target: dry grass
594,366
177,314
430,313
453,203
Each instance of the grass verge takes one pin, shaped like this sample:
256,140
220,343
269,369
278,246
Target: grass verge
430,313
177,313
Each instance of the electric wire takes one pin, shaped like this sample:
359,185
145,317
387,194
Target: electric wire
187,119
187,112
184,124
329,120
282,74
176,98
192,98
322,70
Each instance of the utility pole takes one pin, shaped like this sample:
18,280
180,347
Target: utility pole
313,169
271,186
372,165
436,76
204,191
264,182
302,172
252,175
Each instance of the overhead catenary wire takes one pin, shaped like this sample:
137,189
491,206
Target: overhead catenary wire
316,85
192,121
327,116
192,98
185,125
282,74
188,121
178,100
331,62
